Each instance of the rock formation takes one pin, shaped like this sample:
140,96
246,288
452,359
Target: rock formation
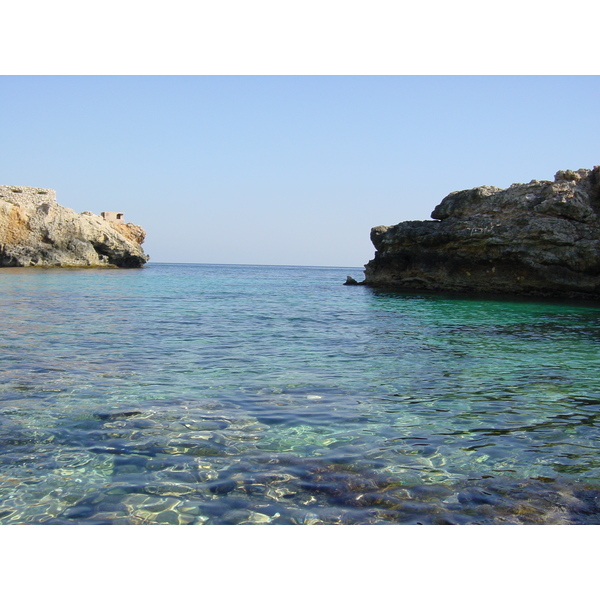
36,231
539,238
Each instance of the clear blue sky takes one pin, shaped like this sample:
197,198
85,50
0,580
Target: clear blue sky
286,169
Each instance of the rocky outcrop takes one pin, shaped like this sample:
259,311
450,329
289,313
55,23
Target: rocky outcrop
36,231
538,238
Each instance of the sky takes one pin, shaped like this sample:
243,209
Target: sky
286,170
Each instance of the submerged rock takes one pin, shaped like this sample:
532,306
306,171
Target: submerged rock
36,231
539,238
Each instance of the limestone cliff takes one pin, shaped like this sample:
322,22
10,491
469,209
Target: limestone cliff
36,231
538,238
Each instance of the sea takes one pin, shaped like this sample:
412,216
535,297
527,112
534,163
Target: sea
202,394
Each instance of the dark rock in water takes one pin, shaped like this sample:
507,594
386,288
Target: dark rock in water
222,487
110,416
540,238
78,512
233,517
475,496
351,281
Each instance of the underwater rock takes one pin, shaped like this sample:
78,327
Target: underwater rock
117,415
539,238
78,512
35,231
222,486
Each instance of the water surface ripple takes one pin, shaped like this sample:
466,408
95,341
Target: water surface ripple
223,394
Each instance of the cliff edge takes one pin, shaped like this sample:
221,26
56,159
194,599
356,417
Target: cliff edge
35,231
540,238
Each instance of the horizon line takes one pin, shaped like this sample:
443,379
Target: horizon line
253,265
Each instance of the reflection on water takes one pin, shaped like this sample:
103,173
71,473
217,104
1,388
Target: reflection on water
201,394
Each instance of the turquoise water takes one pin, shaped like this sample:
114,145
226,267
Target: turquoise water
217,394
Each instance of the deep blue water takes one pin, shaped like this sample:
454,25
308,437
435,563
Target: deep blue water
214,394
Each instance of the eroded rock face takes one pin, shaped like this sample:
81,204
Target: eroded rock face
36,231
538,238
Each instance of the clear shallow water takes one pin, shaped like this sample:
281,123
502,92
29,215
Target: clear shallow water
201,394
